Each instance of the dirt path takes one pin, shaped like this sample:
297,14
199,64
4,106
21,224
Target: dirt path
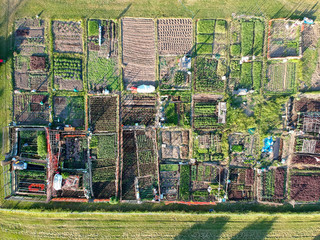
285,76
291,151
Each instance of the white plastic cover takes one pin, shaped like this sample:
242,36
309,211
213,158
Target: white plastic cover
146,89
57,182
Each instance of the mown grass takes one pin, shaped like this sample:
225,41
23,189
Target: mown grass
30,225
246,75
258,38
163,8
247,29
256,75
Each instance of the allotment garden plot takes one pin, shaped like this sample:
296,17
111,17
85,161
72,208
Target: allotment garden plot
103,70
139,165
209,74
175,181
241,184
310,60
73,162
284,39
175,36
212,38
247,37
169,181
281,77
305,185
138,52
243,149
68,110
174,72
245,75
103,113
67,73
273,184
138,109
67,36
207,146
31,145
104,158
175,145
31,109
208,182
205,112
30,56
210,70
175,109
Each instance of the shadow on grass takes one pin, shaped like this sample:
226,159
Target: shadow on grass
124,11
211,229
257,230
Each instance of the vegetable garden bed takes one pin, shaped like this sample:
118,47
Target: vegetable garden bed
103,113
69,110
208,75
281,77
103,70
104,165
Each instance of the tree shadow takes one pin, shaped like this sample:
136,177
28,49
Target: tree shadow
257,230
211,229
124,11
301,11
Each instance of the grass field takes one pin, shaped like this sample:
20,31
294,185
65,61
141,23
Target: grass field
30,225
165,8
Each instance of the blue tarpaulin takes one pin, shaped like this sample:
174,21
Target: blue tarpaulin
268,142
307,20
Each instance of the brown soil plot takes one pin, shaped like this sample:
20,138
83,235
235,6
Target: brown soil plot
174,36
139,54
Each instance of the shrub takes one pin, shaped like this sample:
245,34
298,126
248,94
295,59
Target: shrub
184,190
65,175
237,148
179,78
205,26
93,28
42,144
114,200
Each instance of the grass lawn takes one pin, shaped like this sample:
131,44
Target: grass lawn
163,8
30,225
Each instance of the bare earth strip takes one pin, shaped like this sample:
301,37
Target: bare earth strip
138,57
